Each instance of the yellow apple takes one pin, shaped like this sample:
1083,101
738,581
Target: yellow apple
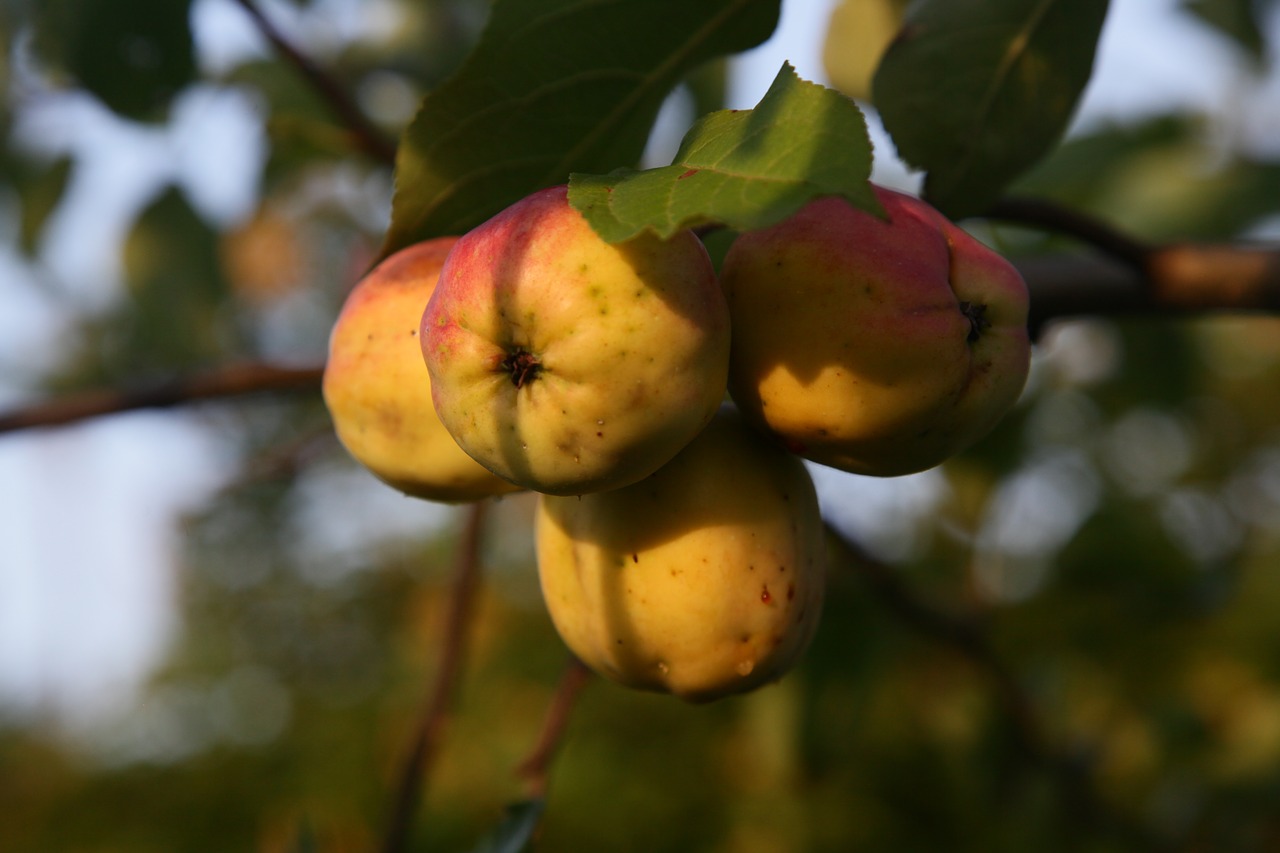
703,580
858,32
877,346
378,390
569,365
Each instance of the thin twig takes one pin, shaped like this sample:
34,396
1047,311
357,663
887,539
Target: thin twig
229,381
1042,213
367,137
534,768
435,712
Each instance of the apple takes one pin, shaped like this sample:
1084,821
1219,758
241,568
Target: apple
703,580
877,346
569,365
378,390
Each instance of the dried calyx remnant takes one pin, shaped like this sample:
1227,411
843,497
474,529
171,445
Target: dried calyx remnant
978,322
523,366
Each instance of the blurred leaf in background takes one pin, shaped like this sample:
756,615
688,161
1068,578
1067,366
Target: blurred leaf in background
135,57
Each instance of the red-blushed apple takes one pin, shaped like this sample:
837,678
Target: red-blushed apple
877,346
378,390
703,580
569,365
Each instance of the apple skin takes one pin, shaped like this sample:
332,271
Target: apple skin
881,347
703,580
568,365
378,390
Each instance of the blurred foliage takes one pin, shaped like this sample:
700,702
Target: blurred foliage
134,56
1117,540
1241,20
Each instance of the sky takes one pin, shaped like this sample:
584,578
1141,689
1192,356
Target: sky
87,513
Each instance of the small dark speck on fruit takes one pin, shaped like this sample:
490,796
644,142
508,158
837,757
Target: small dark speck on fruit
599,435
635,558
791,592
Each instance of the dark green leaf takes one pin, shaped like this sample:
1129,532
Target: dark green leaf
553,87
741,168
40,186
708,86
176,312
1237,19
133,55
513,834
976,91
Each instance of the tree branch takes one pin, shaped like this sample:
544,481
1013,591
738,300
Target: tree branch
230,381
1047,215
426,741
534,769
1180,280
368,138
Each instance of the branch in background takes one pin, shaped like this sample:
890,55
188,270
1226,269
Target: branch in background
534,769
231,381
1072,772
368,138
435,713
1049,216
1181,280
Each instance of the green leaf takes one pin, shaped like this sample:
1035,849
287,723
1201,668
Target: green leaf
976,91
1237,19
553,87
40,187
741,168
134,56
515,831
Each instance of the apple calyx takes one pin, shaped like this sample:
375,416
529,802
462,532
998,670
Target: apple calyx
523,366
977,317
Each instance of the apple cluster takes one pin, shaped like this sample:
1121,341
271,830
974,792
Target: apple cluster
680,546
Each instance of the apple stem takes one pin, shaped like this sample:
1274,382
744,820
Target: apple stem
978,322
522,365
